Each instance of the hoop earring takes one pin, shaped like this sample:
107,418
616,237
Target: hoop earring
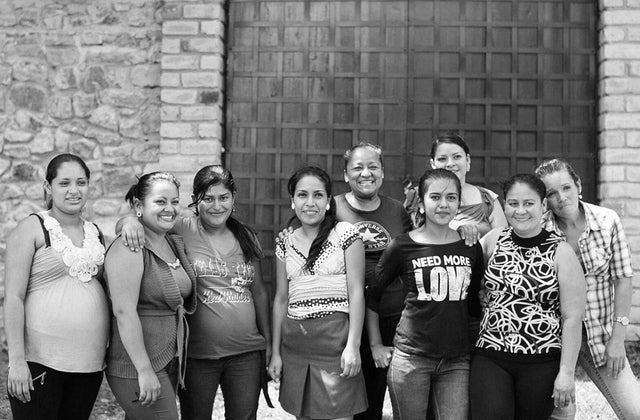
293,206
138,214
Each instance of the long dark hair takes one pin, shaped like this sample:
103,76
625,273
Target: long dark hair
529,180
429,176
329,220
211,175
448,137
55,164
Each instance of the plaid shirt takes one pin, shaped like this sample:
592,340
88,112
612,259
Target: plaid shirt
605,257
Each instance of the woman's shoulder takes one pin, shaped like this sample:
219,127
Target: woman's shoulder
118,250
28,229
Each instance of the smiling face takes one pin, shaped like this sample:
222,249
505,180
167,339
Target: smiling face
440,201
69,190
364,173
216,206
160,206
453,158
310,200
562,193
524,209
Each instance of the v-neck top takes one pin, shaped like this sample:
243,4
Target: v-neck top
322,290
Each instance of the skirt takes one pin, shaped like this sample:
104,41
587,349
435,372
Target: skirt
311,384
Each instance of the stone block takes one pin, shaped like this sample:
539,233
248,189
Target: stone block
61,107
145,75
180,62
10,192
633,174
105,116
618,17
612,173
612,68
200,147
625,51
28,97
13,134
179,96
210,130
170,79
24,171
150,120
619,156
82,147
28,69
201,79
202,11
177,130
131,127
209,96
212,62
611,138
612,34
118,180
168,146
43,142
633,139
147,151
614,190
34,192
83,104
171,46
118,155
180,27
102,136
91,38
105,207
62,56
202,113
94,79
620,121
62,140
202,45
171,12
212,27
634,69
65,78
127,98
4,165
5,74
633,104
612,104
170,113
177,163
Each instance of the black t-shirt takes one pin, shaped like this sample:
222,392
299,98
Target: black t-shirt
377,228
441,283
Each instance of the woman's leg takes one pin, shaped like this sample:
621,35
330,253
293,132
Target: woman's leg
491,390
201,384
534,389
450,389
79,394
241,386
126,393
46,396
409,380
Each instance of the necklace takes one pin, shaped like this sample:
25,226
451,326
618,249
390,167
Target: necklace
174,265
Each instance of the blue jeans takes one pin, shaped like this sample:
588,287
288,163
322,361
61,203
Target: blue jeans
623,393
411,377
239,376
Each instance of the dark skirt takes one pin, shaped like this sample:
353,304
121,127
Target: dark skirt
311,383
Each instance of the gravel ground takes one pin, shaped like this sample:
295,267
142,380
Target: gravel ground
591,404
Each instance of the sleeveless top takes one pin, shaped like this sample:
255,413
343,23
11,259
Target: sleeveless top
478,213
523,313
66,310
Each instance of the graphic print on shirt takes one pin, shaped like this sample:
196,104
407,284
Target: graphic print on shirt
234,290
449,277
374,236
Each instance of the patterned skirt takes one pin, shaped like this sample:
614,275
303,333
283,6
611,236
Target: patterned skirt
311,383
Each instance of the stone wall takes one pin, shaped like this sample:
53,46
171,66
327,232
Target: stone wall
619,124
81,77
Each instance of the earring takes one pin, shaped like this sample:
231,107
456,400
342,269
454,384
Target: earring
138,213
233,209
328,207
293,206
580,196
421,210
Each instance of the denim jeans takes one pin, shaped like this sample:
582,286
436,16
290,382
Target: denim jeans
239,376
411,377
58,395
623,392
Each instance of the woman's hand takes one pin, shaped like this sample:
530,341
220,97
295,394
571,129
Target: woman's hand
381,355
564,390
275,367
149,387
350,362
615,356
284,234
19,382
132,233
469,233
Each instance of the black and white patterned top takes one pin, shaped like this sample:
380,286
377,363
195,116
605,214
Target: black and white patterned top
523,311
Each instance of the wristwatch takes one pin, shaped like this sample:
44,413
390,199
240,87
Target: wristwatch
623,320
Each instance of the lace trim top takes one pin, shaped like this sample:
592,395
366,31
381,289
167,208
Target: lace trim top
83,262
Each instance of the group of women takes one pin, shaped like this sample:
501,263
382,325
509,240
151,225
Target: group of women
367,296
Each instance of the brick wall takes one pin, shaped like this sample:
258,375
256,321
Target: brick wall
619,124
192,80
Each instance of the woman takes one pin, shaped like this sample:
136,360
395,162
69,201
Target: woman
597,237
525,357
379,219
318,309
150,293
230,327
56,313
439,273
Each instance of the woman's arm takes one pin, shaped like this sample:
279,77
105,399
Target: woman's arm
354,263
497,219
124,272
21,247
261,304
280,302
380,353
573,294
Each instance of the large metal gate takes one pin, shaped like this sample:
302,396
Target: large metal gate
307,79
